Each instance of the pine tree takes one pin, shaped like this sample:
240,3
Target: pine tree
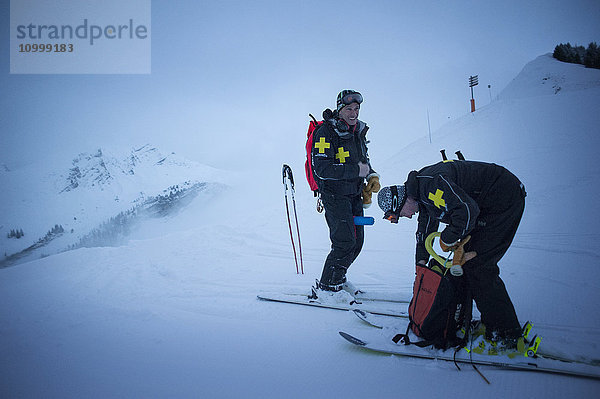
592,56
589,57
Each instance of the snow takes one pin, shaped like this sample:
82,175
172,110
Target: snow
88,190
173,311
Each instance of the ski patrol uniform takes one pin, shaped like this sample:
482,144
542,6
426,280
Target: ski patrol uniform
486,201
337,150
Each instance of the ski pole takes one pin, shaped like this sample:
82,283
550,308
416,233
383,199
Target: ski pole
287,209
288,176
297,225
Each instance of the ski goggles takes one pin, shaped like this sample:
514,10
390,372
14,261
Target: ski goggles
391,216
352,98
348,97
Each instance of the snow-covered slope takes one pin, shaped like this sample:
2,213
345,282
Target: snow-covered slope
175,314
92,189
549,139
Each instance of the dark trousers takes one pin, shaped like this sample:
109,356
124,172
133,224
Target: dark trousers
346,238
499,218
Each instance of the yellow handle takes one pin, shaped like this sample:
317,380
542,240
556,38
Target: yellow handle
447,263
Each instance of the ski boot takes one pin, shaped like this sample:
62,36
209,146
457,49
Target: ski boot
532,343
508,347
331,294
351,288
492,344
524,345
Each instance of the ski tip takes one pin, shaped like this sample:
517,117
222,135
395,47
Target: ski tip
352,339
360,313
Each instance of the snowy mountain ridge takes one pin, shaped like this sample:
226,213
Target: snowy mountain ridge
88,167
95,187
101,168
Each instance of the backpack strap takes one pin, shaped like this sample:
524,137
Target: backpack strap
405,339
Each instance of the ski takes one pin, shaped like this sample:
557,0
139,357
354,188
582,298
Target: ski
377,307
375,296
372,319
363,295
382,344
382,322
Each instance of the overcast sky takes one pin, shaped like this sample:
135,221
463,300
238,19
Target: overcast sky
235,80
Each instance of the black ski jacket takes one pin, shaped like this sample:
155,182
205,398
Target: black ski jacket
335,156
454,193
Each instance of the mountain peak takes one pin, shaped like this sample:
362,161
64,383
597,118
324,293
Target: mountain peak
101,168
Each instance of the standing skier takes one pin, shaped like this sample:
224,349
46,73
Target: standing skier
479,199
340,164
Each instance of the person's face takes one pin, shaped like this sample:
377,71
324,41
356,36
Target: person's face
409,208
350,113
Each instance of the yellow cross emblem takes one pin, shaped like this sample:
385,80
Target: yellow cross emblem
437,198
321,145
342,155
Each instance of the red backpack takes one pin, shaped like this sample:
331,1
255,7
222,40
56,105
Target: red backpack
310,177
439,307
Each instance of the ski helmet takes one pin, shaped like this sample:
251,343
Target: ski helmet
391,199
347,97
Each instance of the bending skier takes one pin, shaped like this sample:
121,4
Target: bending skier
340,164
481,200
